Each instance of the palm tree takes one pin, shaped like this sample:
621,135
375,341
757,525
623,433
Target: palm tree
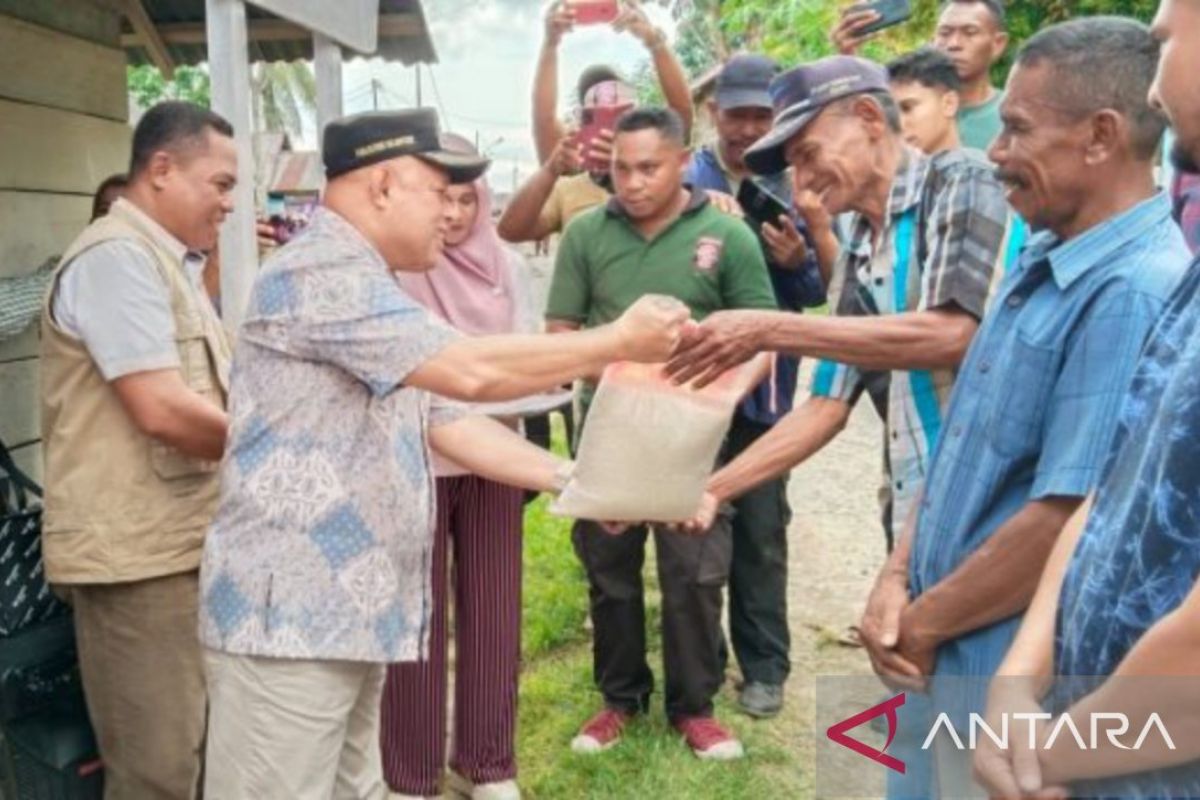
284,93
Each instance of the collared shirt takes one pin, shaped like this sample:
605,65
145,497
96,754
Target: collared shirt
948,236
112,298
321,546
1036,402
1138,558
795,289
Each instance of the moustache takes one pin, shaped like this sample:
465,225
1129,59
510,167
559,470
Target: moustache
1004,176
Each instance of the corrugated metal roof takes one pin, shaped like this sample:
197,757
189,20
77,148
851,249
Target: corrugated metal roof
180,22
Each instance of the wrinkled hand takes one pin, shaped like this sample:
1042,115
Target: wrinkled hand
725,203
724,340
810,206
650,329
599,150
1015,771
917,649
787,246
880,632
565,158
633,19
560,20
845,36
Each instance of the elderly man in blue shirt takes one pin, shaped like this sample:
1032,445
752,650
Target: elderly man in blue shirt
1036,401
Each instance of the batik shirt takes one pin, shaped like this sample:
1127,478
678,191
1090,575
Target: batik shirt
321,545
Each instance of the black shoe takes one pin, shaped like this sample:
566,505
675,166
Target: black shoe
760,700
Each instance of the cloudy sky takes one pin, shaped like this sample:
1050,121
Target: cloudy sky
487,51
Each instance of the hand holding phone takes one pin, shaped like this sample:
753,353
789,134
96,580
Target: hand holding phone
861,21
596,120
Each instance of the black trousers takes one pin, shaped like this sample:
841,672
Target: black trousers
758,618
691,572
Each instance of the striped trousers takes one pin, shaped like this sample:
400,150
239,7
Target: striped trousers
479,522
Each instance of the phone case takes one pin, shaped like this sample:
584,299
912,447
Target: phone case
594,12
891,12
596,119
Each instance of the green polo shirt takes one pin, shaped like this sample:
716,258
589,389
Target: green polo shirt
705,258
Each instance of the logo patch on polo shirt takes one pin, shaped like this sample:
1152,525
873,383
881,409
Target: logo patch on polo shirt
708,253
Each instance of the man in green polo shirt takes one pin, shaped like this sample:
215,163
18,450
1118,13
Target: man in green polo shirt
655,235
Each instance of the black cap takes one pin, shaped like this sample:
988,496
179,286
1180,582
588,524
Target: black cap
373,136
799,95
743,82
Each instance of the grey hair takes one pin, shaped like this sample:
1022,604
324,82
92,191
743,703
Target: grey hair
1101,63
883,99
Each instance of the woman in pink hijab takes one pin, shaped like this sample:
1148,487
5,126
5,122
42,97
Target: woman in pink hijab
478,287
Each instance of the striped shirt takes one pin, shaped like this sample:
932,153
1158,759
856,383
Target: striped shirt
948,236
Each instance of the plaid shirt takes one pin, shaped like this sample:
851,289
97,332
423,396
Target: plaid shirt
947,239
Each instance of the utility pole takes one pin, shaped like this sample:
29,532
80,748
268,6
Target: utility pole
419,102
374,94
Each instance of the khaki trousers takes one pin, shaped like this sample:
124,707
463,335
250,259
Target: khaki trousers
143,675
293,730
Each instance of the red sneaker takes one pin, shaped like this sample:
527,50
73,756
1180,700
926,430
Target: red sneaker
601,731
709,739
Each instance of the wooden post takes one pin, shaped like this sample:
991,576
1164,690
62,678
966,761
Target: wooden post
229,69
327,64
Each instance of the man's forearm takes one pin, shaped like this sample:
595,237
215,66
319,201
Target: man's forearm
793,439
546,128
1157,676
519,223
197,428
912,340
998,579
492,451
1032,651
674,83
507,367
166,409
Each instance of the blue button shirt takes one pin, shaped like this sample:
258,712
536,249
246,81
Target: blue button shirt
1036,401
1139,556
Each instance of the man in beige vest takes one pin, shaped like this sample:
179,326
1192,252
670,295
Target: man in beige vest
134,376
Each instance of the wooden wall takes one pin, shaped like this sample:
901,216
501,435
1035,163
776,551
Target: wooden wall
63,129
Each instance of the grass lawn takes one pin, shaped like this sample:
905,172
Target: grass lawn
557,696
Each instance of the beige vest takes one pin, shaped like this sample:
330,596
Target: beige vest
119,505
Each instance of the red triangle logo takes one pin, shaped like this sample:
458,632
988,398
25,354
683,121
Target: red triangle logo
837,732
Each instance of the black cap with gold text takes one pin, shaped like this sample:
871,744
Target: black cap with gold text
364,139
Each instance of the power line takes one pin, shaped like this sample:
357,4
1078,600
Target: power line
437,95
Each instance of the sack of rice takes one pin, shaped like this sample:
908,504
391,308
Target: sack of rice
648,446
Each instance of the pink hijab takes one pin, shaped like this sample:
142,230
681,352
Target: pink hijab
471,287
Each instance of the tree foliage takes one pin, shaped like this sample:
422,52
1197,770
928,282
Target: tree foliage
283,94
147,85
795,31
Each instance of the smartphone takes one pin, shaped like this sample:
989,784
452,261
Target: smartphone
594,119
594,12
891,12
760,205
